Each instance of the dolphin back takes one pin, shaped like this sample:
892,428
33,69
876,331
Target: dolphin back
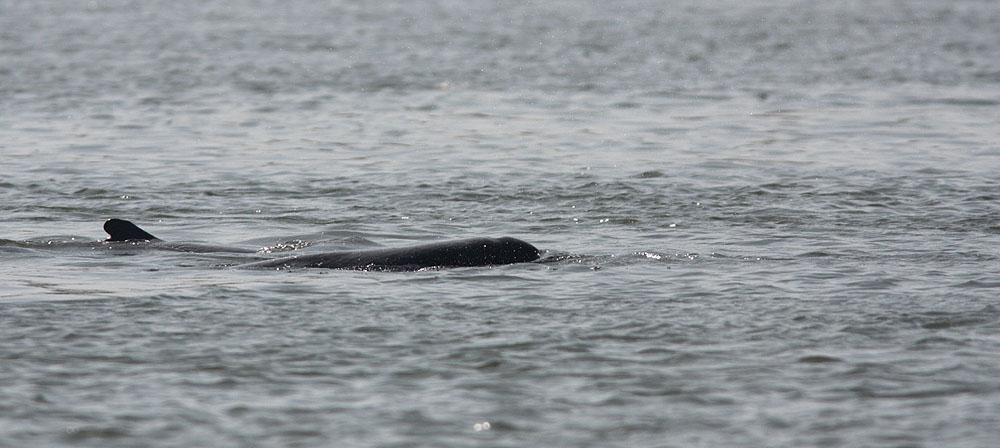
458,253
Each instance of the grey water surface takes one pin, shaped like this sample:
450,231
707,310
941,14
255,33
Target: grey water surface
765,223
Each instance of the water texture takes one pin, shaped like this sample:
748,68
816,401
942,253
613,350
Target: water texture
766,224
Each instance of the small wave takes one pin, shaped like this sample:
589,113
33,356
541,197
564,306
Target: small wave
954,323
488,278
974,102
650,174
818,359
979,284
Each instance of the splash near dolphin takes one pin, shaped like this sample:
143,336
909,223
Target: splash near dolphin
443,254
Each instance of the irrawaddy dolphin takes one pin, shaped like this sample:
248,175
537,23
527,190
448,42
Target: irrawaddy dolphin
456,253
122,231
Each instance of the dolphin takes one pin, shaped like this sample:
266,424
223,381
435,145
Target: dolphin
443,254
122,231
455,253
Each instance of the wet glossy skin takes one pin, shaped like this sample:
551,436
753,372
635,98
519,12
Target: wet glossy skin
458,253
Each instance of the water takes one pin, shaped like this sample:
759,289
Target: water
773,223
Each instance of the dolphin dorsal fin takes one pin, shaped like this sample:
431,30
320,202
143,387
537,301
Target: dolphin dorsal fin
122,230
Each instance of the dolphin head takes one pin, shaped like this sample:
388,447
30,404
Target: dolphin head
507,250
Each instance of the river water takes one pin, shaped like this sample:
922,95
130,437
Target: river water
766,223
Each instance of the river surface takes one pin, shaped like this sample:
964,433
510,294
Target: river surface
765,223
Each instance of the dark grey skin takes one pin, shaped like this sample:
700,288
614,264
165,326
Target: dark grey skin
122,230
443,254
457,253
